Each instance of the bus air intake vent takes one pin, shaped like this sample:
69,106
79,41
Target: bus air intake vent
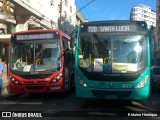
34,76
35,88
119,94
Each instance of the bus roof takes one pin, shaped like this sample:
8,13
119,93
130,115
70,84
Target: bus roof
113,21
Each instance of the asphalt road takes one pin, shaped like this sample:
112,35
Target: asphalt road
68,106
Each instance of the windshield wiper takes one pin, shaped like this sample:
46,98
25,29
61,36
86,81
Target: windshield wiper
120,44
102,43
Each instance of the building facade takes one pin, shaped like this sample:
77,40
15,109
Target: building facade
21,15
45,14
144,13
7,25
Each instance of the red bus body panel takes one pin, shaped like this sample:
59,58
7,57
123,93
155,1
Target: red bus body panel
39,85
36,85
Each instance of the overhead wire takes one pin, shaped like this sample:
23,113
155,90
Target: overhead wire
86,11
79,10
83,7
89,12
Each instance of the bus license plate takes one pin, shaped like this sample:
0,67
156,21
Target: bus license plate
111,97
55,87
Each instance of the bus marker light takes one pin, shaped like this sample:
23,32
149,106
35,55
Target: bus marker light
81,82
85,85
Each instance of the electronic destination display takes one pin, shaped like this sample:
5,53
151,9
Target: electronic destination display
35,36
113,27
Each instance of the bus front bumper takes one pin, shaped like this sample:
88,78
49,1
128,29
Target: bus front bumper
43,88
128,94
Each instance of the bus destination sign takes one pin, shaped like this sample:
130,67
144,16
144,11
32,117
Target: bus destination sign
35,36
119,26
108,28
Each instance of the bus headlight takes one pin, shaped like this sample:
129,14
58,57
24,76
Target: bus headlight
81,82
14,81
56,79
142,82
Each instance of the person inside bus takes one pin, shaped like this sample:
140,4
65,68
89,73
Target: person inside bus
131,57
1,72
50,59
54,56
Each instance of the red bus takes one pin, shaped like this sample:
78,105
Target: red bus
40,61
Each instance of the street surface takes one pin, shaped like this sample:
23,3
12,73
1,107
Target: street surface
69,106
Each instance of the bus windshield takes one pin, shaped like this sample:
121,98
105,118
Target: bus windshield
36,55
112,53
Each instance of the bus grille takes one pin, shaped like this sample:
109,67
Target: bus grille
34,76
33,82
110,78
120,94
35,88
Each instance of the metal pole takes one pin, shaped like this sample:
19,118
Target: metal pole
60,15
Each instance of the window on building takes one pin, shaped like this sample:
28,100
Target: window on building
66,3
65,14
52,2
2,31
135,10
70,8
70,20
